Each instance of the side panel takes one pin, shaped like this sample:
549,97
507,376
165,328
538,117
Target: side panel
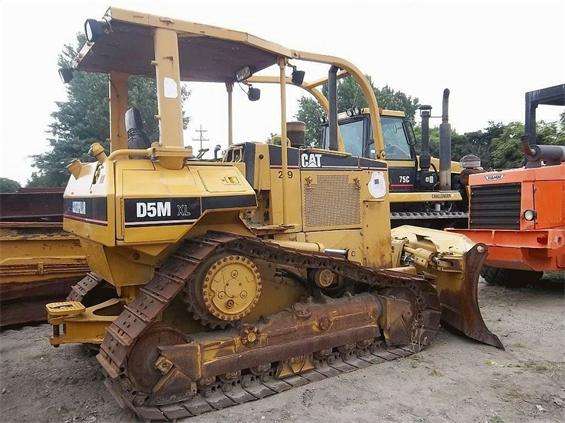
402,174
375,217
549,201
158,205
275,198
89,203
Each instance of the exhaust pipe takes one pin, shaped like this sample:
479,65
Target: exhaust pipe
425,114
332,99
445,145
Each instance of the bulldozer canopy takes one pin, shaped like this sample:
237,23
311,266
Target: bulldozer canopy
207,53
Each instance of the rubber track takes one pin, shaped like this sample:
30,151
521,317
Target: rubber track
169,280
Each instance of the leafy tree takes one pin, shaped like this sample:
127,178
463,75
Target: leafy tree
476,142
506,151
9,185
310,112
84,119
498,145
349,95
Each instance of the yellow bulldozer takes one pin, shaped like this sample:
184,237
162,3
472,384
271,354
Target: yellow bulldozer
237,279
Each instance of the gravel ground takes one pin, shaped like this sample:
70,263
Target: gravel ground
453,380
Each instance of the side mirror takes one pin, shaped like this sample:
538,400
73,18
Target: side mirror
66,75
253,94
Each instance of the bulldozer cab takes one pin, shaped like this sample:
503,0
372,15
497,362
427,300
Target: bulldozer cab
355,128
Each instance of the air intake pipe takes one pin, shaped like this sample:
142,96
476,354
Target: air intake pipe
332,99
551,155
425,114
445,144
137,139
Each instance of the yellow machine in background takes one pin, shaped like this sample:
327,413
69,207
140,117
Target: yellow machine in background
39,262
423,190
239,279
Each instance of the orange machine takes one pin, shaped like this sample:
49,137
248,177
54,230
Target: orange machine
520,213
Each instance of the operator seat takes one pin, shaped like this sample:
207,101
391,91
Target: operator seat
137,138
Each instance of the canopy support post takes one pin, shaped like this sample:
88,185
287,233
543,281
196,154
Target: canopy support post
118,93
284,145
167,75
229,88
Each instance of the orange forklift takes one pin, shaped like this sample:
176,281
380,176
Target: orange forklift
520,213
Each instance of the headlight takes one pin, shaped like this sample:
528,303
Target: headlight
530,215
243,73
94,29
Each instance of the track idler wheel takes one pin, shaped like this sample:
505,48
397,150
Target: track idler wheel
143,368
225,290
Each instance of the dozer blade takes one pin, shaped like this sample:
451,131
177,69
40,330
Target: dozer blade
459,302
455,263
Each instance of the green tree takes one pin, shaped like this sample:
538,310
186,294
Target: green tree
498,145
310,112
84,119
506,149
349,95
9,185
476,142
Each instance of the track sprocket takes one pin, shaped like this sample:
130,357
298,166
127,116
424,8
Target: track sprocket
225,291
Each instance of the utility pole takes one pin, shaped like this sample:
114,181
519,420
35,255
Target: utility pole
201,139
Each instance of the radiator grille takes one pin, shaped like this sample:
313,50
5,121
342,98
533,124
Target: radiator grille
495,207
332,201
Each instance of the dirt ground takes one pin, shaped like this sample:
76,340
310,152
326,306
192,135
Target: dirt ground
453,380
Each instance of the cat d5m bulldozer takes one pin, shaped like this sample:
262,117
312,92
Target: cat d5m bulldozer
238,279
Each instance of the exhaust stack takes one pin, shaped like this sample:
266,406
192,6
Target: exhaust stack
425,114
445,145
332,99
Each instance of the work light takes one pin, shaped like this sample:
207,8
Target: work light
297,76
243,73
94,29
253,94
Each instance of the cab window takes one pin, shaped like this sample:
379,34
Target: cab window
352,134
396,142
